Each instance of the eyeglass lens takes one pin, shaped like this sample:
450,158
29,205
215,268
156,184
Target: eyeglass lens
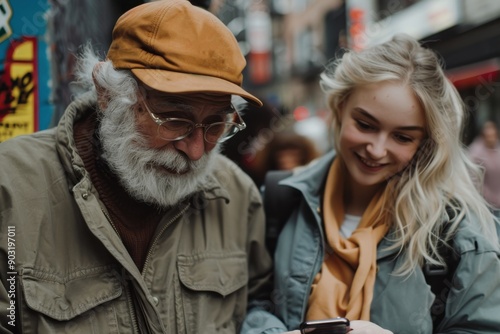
213,133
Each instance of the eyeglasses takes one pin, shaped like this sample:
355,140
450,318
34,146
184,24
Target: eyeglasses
173,128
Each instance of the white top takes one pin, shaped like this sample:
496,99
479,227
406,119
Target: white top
350,223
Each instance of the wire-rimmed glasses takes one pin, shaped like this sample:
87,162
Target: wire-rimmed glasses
173,128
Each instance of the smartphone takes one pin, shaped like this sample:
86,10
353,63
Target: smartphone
328,326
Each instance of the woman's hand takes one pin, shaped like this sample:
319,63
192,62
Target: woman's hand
359,327
366,327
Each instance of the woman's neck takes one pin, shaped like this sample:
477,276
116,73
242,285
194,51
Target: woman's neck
357,197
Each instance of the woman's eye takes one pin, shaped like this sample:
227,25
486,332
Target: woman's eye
364,125
403,138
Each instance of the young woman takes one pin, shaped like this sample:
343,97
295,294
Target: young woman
393,203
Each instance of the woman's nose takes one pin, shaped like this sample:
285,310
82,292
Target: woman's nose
377,148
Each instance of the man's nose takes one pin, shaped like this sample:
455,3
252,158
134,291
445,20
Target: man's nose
193,145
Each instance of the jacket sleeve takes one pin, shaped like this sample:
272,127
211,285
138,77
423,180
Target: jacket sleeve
259,318
260,321
473,303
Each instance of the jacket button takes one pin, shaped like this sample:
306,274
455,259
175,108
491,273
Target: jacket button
155,300
85,195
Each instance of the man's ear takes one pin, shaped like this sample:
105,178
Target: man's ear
102,94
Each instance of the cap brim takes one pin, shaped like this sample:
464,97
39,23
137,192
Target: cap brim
177,82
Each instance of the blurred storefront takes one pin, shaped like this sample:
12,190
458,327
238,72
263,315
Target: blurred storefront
306,34
287,43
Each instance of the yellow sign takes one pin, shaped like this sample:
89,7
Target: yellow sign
18,90
5,16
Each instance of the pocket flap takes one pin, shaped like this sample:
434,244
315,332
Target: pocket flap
221,273
63,298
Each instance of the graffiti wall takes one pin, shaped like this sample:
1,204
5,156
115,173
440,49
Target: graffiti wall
24,68
73,23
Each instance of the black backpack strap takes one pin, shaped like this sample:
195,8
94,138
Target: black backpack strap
440,278
279,202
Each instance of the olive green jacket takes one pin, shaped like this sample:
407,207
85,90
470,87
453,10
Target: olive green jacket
64,268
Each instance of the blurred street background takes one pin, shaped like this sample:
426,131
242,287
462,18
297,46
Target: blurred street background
287,44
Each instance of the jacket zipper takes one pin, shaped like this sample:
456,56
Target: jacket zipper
180,213
132,308
110,222
128,293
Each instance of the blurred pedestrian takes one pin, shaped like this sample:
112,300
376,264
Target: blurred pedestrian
288,150
485,151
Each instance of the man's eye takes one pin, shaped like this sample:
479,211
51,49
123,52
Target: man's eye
177,125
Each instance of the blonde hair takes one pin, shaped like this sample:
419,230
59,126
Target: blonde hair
436,187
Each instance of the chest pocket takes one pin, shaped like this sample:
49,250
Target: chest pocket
212,291
73,304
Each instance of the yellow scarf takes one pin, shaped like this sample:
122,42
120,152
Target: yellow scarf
344,286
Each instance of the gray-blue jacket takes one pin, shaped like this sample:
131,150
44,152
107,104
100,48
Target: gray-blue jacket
400,304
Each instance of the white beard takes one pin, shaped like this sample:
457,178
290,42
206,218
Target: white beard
141,170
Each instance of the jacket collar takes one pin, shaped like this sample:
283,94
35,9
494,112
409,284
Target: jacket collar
65,142
310,179
212,189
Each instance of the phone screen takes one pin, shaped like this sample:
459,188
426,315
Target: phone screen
327,326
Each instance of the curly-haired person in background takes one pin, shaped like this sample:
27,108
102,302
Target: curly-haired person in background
377,216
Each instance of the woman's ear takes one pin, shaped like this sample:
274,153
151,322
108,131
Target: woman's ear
339,111
102,95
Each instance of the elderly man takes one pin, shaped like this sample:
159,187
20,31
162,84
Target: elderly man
125,218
